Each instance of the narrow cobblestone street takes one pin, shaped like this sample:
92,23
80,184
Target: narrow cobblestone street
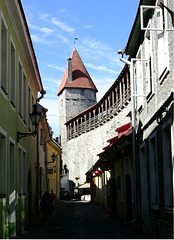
81,220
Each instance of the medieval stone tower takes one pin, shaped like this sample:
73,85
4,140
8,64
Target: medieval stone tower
76,93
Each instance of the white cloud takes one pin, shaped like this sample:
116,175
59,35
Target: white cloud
34,27
62,69
62,25
96,45
88,27
46,30
63,39
101,68
36,39
44,17
41,29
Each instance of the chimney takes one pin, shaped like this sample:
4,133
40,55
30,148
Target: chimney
69,69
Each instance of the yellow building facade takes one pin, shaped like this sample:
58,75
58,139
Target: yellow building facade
53,167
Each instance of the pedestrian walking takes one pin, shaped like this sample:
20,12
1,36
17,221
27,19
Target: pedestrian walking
45,205
52,197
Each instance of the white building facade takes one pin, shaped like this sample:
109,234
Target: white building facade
151,47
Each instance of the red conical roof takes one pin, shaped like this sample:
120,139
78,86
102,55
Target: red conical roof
80,76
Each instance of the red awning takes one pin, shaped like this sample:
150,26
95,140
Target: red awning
112,140
100,154
123,128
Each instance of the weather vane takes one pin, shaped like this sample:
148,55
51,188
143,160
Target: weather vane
75,39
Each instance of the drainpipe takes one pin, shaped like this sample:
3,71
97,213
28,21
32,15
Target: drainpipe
130,63
43,92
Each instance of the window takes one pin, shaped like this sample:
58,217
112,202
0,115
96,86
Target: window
148,12
168,168
148,77
12,181
167,14
24,172
12,73
139,86
12,167
20,90
162,57
148,64
153,172
20,180
81,92
3,56
159,18
24,98
3,164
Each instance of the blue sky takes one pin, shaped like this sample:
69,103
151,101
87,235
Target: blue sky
101,26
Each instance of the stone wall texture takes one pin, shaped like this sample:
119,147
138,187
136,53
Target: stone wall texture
80,153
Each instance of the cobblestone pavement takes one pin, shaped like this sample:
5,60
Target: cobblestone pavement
81,220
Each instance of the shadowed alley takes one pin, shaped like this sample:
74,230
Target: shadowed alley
81,220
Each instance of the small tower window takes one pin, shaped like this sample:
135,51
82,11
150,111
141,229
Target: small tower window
81,92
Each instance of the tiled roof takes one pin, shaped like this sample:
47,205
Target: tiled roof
80,76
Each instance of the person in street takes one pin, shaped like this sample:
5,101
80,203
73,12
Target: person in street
45,205
52,197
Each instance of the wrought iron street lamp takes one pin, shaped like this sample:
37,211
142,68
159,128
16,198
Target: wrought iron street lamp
35,118
53,158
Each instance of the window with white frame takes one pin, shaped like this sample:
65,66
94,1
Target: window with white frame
148,64
161,18
167,12
153,13
20,90
3,164
139,84
12,74
24,98
163,64
163,61
168,166
3,55
154,184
